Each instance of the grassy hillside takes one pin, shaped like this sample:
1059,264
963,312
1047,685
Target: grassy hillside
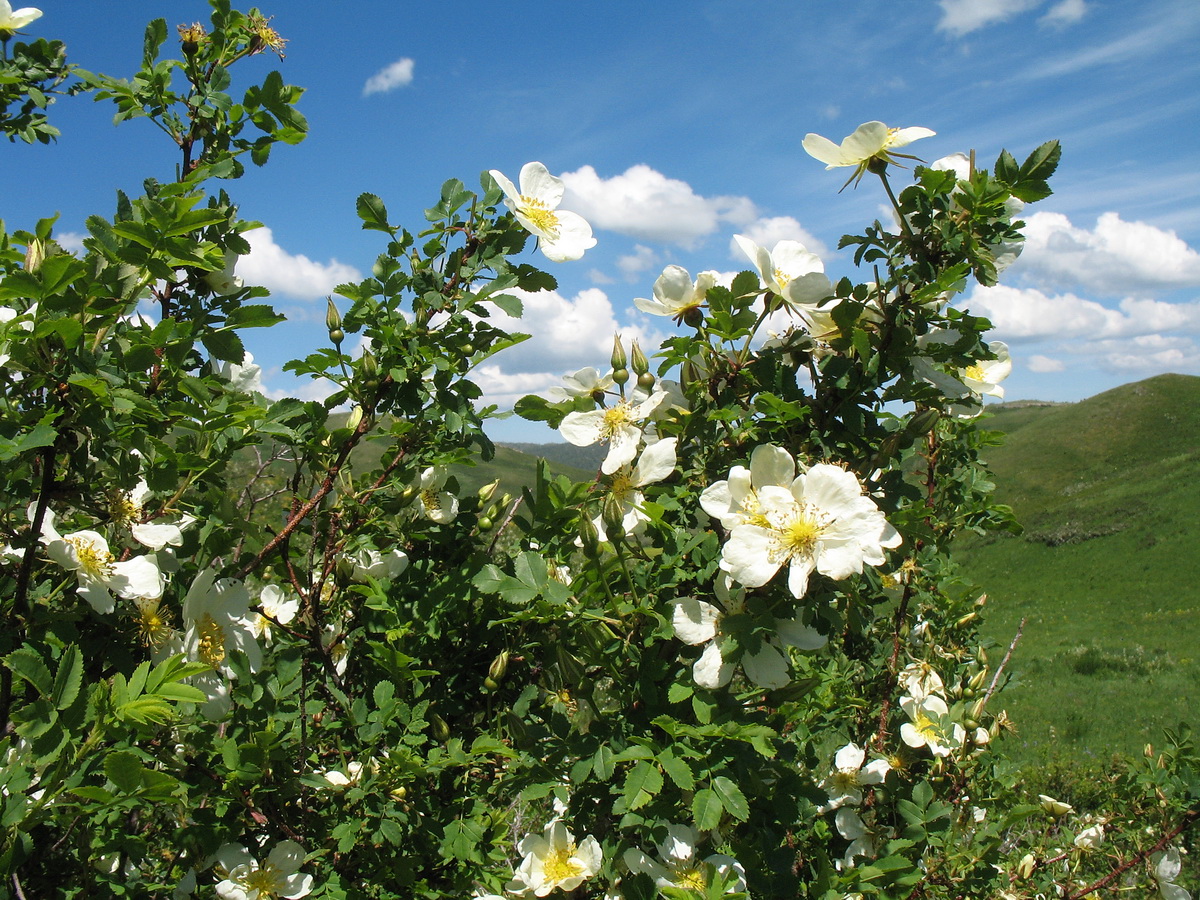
1107,574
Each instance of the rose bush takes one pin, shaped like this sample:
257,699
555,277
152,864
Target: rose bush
666,681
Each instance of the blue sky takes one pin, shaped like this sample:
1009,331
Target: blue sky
677,125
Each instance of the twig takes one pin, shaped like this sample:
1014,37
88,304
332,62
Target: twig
1188,818
1004,662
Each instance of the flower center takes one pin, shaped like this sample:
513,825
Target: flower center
974,371
798,536
622,485
542,217
615,418
153,624
690,878
212,640
267,881
781,277
559,866
94,560
926,727
124,511
431,501
845,780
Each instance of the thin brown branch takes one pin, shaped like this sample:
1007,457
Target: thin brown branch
1189,818
1003,663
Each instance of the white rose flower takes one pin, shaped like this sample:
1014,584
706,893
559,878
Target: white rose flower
561,235
247,879
553,860
822,522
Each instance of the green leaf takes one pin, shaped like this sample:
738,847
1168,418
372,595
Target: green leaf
509,304
461,840
225,346
25,663
603,764
732,798
642,783
124,770
1042,162
69,677
678,770
373,213
706,809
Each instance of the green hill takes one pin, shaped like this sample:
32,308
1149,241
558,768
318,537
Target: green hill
1107,573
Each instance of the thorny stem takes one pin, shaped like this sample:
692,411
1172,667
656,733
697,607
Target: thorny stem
1189,819
1004,662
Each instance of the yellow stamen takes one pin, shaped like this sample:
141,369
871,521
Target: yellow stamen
974,371
543,218
212,640
431,500
153,624
123,510
559,866
798,537
267,881
93,559
690,878
615,418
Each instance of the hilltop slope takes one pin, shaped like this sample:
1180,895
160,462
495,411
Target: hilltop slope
1107,574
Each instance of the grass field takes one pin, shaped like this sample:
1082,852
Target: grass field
1107,574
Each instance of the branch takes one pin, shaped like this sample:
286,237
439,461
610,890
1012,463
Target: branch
1189,817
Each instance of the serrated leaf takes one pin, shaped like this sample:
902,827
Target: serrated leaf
461,840
373,213
26,664
642,783
1007,169
384,695
732,798
706,809
1041,163
678,771
679,692
69,677
124,770
509,304
603,763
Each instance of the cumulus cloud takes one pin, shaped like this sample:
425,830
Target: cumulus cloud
961,17
647,205
633,264
1116,258
1041,364
567,332
294,275
1063,13
768,232
1137,337
1028,313
399,74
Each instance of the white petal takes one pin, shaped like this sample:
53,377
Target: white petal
537,183
694,620
766,667
710,670
771,465
656,462
796,634
582,428
850,758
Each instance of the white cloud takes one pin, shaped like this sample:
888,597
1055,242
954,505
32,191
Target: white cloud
633,264
961,17
71,241
770,231
399,74
1065,12
1030,314
1140,337
272,267
567,333
1116,258
647,205
1039,363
